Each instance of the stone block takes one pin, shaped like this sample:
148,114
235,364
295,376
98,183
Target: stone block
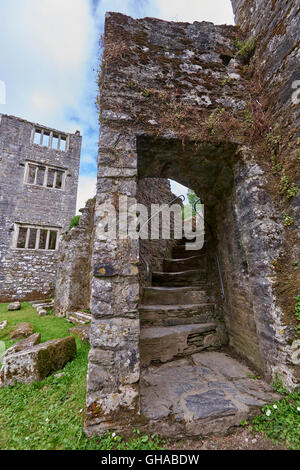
23,330
14,306
24,344
36,363
82,332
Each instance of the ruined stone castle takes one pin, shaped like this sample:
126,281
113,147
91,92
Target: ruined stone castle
38,189
215,108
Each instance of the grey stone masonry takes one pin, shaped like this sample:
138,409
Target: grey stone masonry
38,188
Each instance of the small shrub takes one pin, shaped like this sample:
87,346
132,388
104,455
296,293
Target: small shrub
74,221
287,219
245,49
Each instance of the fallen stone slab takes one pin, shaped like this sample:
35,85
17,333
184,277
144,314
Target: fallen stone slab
35,363
82,332
23,344
3,324
23,330
14,306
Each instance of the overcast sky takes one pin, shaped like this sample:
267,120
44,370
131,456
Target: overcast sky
50,56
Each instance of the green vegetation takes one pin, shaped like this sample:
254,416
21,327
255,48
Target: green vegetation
297,313
287,219
214,119
249,118
188,209
245,49
49,414
226,80
280,421
286,187
74,221
49,326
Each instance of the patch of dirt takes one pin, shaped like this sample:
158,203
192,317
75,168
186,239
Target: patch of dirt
240,439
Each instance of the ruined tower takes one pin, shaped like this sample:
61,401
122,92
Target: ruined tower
38,189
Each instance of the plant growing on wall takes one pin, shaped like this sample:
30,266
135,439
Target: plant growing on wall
74,221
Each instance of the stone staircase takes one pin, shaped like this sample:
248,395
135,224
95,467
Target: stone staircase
177,315
188,386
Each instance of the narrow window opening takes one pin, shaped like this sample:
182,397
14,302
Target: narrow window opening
40,175
32,238
59,177
31,174
52,240
43,239
55,141
22,237
63,143
37,136
50,180
46,138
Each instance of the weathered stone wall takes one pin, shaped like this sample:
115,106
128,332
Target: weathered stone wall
182,101
154,191
30,274
72,289
274,74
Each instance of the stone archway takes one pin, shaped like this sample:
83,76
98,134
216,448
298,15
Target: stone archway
167,111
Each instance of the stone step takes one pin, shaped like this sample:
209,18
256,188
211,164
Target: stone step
79,318
171,315
178,265
179,279
180,252
163,344
173,296
206,393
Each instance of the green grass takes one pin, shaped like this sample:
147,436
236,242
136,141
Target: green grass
49,415
280,421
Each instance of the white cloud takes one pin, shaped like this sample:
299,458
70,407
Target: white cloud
216,11
45,64
50,56
86,190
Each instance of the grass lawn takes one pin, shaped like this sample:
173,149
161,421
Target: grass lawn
49,414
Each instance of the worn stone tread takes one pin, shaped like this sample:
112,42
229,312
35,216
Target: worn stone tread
210,392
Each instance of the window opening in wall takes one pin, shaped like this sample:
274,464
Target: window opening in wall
36,238
55,141
37,137
46,139
46,176
43,239
50,179
50,139
63,143
22,237
52,240
40,175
